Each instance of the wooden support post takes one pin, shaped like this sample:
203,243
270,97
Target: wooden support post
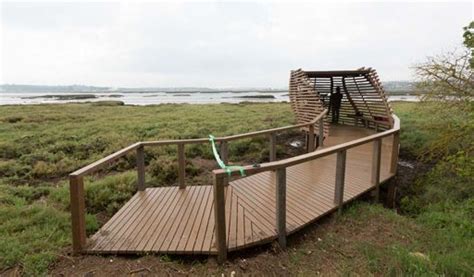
272,147
141,168
376,155
340,179
395,149
78,218
321,133
219,218
310,145
281,206
181,166
224,153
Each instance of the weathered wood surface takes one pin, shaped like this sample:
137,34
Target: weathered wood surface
170,220
362,91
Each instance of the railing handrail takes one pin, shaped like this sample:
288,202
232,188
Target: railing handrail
120,153
252,169
238,136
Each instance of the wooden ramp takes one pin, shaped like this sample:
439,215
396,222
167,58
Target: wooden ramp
181,221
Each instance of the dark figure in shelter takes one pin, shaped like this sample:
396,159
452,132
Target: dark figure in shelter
335,104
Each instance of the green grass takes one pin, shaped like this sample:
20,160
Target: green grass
40,145
442,199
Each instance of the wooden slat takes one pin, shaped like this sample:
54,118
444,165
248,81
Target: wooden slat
78,218
219,219
141,168
281,206
340,178
181,166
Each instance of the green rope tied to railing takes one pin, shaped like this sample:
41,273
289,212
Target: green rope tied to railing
228,168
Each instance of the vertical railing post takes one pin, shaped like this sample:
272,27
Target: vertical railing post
281,206
76,190
376,155
140,168
395,149
181,166
224,153
340,179
321,133
219,218
310,145
272,147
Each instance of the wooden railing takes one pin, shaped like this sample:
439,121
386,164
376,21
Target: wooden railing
76,179
279,167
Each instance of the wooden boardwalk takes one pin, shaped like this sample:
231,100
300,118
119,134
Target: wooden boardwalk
181,221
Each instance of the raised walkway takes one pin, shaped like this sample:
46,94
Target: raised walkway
274,200
170,220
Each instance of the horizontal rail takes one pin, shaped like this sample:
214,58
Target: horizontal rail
235,137
252,169
104,161
112,157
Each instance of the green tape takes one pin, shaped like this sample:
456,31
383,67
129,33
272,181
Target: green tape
228,168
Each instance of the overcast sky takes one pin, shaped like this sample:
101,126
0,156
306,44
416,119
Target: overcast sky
218,44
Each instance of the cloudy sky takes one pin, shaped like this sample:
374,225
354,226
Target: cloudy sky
214,44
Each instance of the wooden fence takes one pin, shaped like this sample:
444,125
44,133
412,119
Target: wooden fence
76,179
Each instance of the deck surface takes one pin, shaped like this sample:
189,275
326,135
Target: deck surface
170,220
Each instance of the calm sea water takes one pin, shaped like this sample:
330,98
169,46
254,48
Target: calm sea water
153,98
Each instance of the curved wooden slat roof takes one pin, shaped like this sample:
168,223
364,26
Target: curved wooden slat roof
363,95
305,101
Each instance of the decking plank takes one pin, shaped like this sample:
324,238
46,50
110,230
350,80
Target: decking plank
172,221
159,229
122,226
171,242
266,187
101,235
193,218
153,224
157,209
207,225
136,223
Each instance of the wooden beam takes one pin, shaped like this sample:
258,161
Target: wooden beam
340,179
224,153
310,146
141,168
336,73
321,133
362,96
78,219
105,161
395,149
272,144
376,155
349,98
219,218
233,137
281,206
181,166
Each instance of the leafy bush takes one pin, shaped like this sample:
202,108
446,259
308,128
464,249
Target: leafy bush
109,193
164,170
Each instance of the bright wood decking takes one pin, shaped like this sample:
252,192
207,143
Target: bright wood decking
173,220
